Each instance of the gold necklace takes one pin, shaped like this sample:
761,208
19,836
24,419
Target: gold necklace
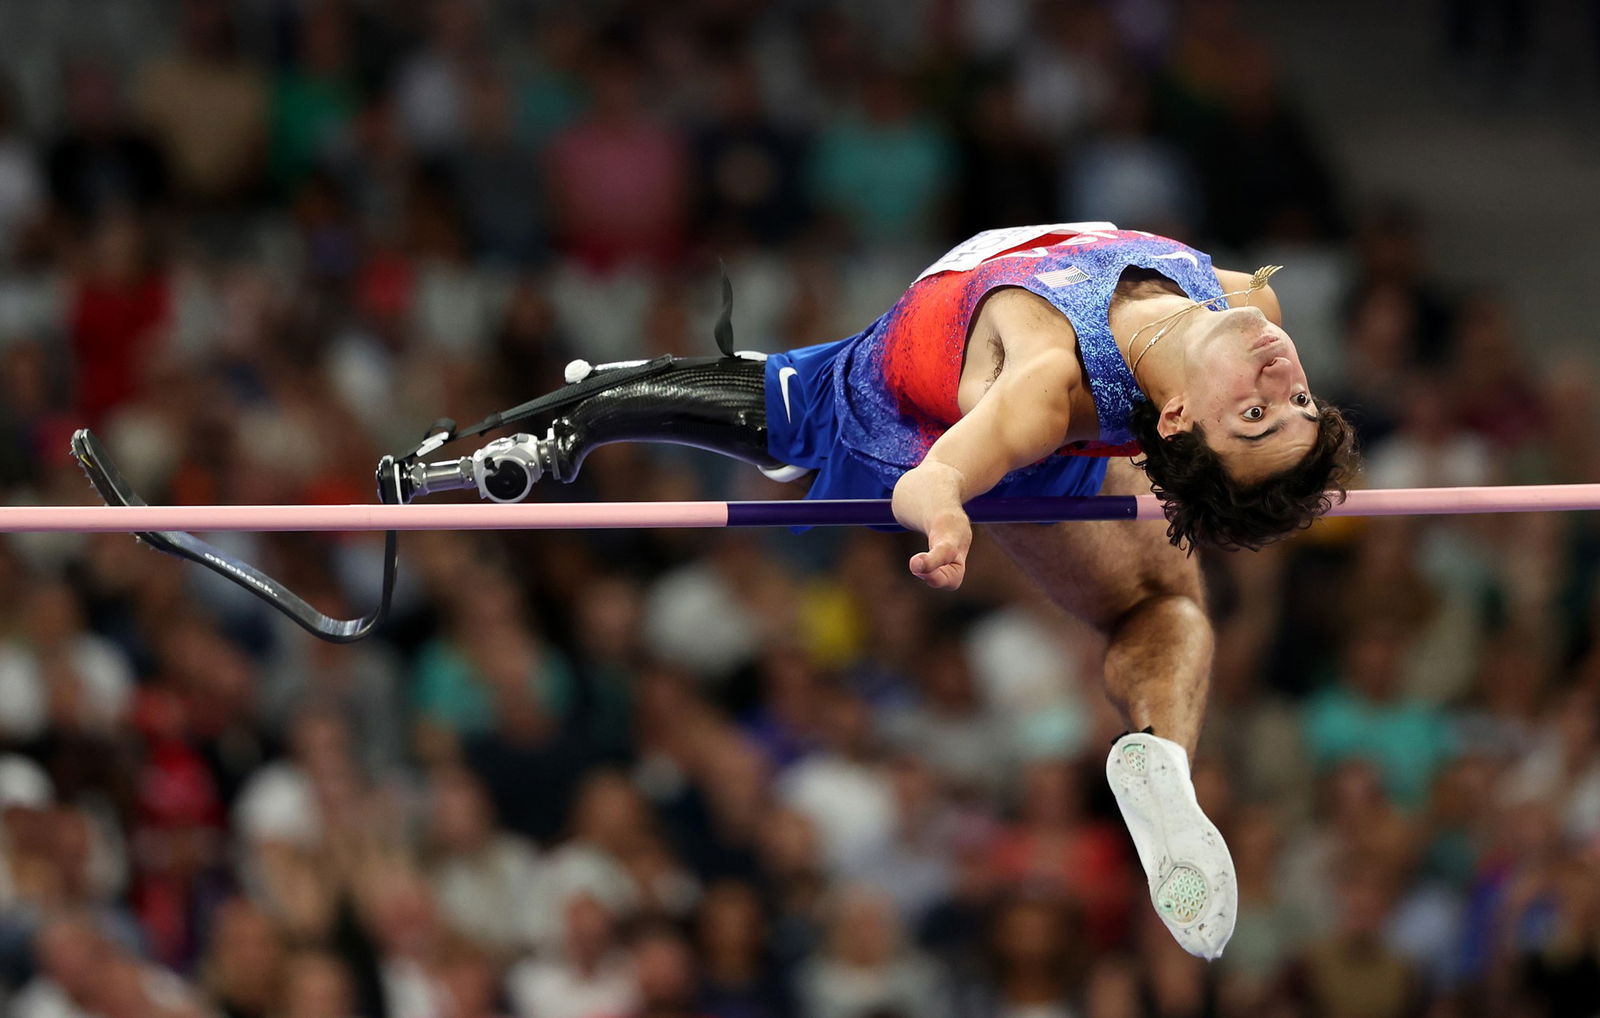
1257,280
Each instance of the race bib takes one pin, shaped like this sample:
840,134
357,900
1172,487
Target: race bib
975,250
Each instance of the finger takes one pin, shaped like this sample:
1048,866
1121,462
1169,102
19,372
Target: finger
947,577
940,575
925,563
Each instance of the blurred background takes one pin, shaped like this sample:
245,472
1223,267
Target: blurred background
258,243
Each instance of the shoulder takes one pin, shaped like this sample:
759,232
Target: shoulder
1265,298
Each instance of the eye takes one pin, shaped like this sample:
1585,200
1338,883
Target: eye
1302,399
1255,413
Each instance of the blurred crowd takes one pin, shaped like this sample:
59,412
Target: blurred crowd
674,774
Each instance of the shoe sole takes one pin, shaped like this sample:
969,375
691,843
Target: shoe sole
1191,874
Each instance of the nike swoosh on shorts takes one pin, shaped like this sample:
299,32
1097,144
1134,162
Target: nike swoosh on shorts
784,374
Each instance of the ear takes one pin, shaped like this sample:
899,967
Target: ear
1174,418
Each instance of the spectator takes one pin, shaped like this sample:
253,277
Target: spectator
301,800
21,189
485,879
317,985
1429,449
739,978
1036,958
399,910
914,868
950,724
1368,716
865,969
844,789
589,976
247,970
208,104
796,884
56,668
1563,767
747,165
431,86
315,101
1560,975
1269,931
120,307
1127,173
361,684
496,177
1056,845
1007,170
664,966
883,173
486,648
471,981
1352,972
617,179
550,92
82,974
101,162
527,739
1267,180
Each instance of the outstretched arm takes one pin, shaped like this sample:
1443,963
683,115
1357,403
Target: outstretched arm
1021,419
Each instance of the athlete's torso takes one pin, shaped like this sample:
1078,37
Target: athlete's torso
937,358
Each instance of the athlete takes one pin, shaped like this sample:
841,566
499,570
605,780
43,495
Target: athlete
1030,361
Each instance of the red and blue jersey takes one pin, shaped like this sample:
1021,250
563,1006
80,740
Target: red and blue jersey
885,395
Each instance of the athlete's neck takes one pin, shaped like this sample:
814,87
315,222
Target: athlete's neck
1135,325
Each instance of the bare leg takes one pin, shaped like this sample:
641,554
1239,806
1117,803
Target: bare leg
1143,594
1158,666
1147,598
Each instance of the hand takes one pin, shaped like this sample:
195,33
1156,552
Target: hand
944,565
928,499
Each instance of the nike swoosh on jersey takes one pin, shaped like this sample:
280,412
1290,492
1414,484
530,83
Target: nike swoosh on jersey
1181,254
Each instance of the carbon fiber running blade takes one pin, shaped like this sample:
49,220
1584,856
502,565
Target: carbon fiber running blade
114,490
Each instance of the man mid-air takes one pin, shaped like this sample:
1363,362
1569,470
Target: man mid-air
1034,361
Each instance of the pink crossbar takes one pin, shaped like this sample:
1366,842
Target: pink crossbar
628,515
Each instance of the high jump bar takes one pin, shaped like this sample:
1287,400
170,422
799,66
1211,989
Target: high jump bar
797,513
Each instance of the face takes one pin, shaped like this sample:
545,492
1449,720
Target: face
1244,385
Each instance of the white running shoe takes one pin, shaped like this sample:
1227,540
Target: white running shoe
1192,883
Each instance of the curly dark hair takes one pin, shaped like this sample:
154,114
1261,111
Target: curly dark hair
1205,506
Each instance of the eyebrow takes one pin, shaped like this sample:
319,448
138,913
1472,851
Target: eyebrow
1272,430
1256,438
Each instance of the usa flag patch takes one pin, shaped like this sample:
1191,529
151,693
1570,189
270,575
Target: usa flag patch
1055,279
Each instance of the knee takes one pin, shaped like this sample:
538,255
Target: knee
1180,614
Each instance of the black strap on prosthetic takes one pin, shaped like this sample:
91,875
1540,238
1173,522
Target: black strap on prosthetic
567,395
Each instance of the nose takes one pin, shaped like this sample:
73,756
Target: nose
1277,369
1278,372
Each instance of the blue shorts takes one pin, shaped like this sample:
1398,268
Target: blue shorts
803,429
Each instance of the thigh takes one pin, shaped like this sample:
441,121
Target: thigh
1100,570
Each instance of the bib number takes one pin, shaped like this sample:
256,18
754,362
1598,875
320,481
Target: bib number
975,250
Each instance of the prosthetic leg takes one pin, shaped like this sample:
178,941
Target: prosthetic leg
713,403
